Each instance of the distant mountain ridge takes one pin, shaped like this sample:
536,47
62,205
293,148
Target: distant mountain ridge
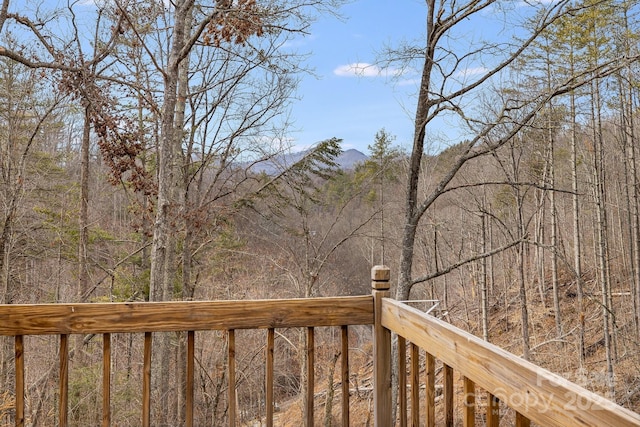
347,160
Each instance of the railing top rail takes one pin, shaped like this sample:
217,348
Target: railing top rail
39,319
540,395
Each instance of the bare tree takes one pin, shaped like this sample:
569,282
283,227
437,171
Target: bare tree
25,116
445,88
438,95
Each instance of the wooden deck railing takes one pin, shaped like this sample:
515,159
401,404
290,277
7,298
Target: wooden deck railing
534,393
150,318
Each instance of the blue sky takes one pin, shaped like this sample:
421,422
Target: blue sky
352,105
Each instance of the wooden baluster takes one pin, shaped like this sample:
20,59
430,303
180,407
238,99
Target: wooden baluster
19,354
106,380
447,379
269,379
146,381
64,380
415,384
232,378
191,338
430,395
469,414
310,375
380,276
493,411
402,380
522,421
345,376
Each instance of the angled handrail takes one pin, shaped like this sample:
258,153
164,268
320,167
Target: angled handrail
535,393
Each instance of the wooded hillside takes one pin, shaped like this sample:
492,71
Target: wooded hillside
128,173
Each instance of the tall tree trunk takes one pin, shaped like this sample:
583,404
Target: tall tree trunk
180,199
163,249
83,245
555,247
415,162
485,296
601,226
522,283
575,199
539,249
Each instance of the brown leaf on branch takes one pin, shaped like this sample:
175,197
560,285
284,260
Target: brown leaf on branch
120,140
234,23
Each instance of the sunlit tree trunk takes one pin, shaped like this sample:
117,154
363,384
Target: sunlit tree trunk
83,256
163,249
577,254
601,232
555,247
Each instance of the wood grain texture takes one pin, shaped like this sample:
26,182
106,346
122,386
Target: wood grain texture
447,389
381,361
37,319
402,380
522,421
63,403
541,396
493,411
146,380
415,384
430,394
345,374
106,380
469,411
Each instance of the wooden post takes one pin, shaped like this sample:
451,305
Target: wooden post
64,380
311,376
430,395
493,411
402,380
345,375
380,276
19,352
106,380
146,380
522,421
233,396
191,357
271,333
447,390
469,414
415,384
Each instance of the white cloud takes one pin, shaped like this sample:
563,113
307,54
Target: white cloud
358,69
364,69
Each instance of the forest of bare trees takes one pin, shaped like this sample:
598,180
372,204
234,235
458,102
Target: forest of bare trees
129,138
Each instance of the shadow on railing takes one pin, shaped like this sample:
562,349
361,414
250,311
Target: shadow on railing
534,393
